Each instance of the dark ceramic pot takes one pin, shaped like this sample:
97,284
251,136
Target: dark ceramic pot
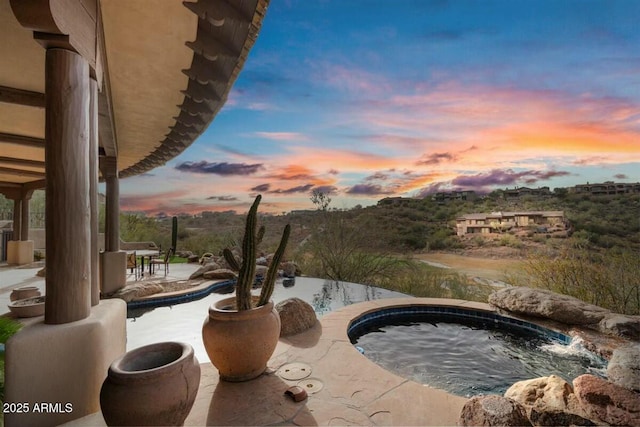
151,385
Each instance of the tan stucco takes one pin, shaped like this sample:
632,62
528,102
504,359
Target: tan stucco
83,352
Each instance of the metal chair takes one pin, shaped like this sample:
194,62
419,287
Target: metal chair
162,261
132,264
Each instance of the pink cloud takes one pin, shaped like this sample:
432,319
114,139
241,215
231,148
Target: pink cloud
283,136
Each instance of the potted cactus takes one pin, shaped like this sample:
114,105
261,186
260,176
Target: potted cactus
241,333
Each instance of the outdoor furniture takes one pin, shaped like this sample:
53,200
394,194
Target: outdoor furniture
146,257
132,264
164,261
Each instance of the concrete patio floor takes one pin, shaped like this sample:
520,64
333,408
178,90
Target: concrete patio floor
355,391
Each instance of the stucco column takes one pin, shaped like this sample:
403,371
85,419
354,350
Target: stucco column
17,218
113,262
24,226
109,169
93,191
67,218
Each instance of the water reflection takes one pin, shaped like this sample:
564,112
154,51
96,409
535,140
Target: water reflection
183,322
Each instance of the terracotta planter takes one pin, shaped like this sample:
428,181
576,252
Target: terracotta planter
24,292
151,385
240,343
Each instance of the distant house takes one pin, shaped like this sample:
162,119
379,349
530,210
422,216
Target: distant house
605,188
526,191
496,222
454,195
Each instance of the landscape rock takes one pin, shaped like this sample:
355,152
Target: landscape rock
193,259
549,401
605,401
220,273
296,316
41,272
621,325
493,411
289,269
624,367
138,290
261,270
184,254
547,304
205,268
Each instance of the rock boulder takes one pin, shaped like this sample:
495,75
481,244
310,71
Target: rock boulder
624,367
547,304
621,325
204,269
549,401
493,411
138,290
605,401
296,316
219,274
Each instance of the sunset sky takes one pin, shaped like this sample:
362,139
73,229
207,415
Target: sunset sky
371,99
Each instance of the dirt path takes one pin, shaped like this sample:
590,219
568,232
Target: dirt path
485,268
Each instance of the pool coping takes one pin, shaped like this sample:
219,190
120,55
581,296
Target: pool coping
356,391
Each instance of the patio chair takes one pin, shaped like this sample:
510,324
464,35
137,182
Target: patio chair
132,264
163,261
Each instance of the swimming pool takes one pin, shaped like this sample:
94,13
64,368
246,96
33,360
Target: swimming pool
466,352
183,322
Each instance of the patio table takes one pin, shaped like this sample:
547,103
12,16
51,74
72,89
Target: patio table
149,254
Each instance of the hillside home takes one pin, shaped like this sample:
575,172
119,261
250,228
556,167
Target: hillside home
526,191
496,222
605,188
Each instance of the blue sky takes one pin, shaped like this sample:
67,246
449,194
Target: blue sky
370,99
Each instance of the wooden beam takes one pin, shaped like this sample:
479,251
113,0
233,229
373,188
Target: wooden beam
12,185
34,185
21,172
26,141
68,24
12,95
22,162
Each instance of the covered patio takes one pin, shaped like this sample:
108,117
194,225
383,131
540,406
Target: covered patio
96,90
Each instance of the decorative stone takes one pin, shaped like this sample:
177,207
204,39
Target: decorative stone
193,259
624,367
493,411
151,385
290,269
138,290
549,401
605,401
296,316
621,325
220,273
261,270
41,272
210,266
547,304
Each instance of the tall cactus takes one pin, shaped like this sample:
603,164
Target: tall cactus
174,232
247,269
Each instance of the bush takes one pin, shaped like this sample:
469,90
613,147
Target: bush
609,279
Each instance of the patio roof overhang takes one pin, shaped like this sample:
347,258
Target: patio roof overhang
164,68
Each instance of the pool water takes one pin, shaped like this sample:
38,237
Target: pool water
183,322
468,357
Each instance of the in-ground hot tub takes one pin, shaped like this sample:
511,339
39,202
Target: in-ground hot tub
467,351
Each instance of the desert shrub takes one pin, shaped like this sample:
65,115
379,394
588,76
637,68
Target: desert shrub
610,279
